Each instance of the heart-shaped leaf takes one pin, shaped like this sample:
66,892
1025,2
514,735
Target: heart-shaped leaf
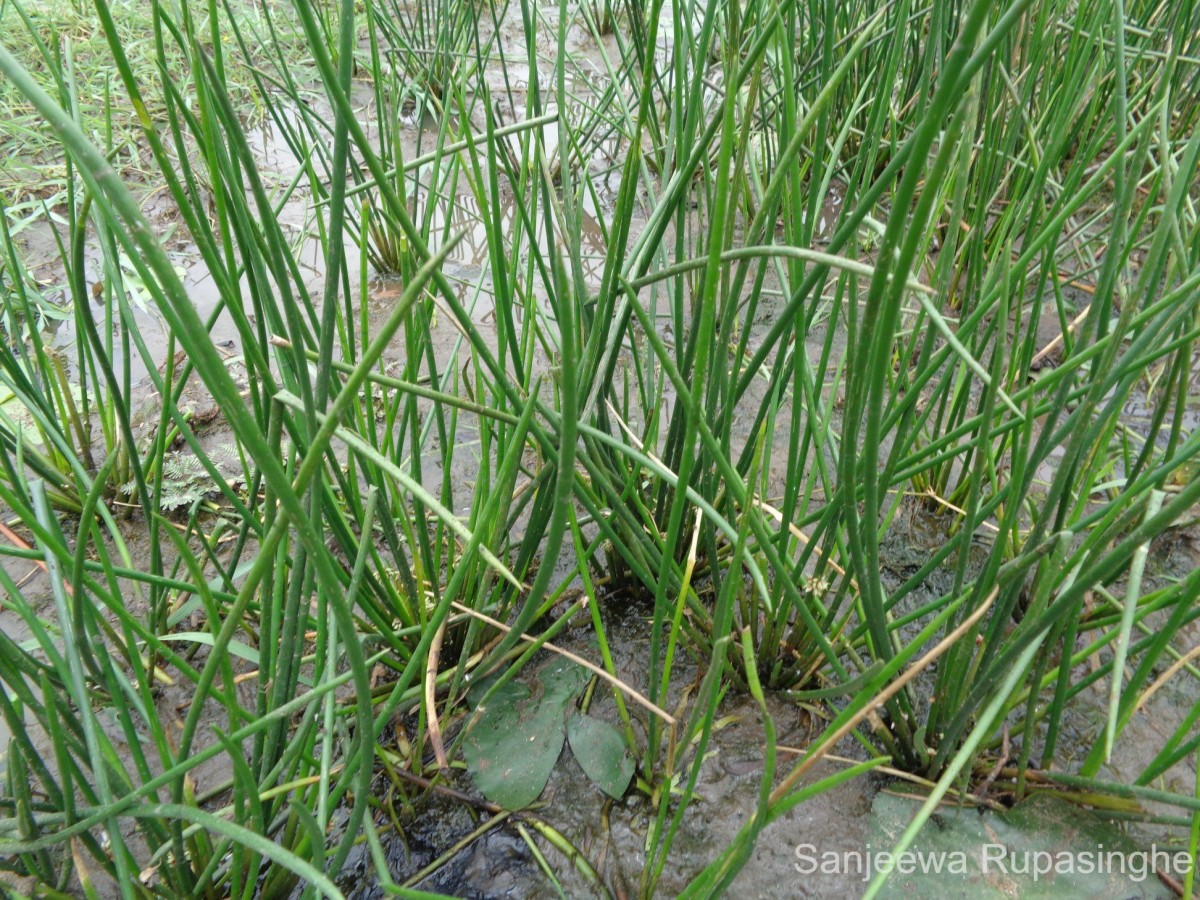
513,745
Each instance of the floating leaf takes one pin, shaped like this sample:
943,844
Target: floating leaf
562,680
513,745
600,751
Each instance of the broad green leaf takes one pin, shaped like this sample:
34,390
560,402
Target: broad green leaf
601,753
512,747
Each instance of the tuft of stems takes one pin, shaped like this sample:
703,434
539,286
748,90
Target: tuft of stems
715,309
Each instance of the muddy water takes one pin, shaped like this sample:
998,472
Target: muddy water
612,835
